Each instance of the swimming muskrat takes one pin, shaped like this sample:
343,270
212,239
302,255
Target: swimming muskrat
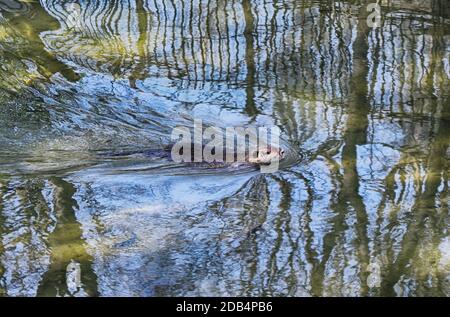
258,158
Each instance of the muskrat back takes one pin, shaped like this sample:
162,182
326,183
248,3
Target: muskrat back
260,157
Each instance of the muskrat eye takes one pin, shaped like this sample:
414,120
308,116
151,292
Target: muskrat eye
282,152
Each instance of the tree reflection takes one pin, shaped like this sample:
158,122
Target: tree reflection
368,108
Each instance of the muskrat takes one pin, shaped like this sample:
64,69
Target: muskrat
260,157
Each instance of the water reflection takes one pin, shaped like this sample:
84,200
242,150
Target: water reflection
365,213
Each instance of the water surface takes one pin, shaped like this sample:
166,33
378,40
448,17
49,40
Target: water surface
365,212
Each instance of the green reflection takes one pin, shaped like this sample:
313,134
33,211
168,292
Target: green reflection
66,245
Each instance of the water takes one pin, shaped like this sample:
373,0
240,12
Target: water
364,212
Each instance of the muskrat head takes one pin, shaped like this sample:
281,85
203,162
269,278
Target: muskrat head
266,156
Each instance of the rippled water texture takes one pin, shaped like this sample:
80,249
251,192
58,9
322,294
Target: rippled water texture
364,212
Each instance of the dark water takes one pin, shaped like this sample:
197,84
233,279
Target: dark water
365,213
